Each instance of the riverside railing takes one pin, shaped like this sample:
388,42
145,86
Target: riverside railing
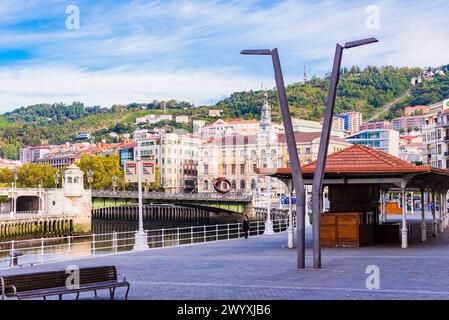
35,251
232,196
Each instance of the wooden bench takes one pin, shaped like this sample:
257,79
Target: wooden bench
44,284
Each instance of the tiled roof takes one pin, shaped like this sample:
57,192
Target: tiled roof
359,158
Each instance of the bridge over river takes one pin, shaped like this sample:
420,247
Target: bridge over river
240,203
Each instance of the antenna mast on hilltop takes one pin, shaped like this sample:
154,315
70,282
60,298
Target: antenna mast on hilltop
305,74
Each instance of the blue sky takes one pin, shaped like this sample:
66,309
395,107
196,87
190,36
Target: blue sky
137,51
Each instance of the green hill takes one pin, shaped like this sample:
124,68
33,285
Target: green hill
376,92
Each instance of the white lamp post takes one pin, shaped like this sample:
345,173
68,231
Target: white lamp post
13,211
268,223
140,236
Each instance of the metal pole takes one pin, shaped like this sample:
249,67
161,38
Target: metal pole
290,215
298,182
268,223
318,177
140,237
423,218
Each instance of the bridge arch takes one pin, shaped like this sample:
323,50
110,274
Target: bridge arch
27,203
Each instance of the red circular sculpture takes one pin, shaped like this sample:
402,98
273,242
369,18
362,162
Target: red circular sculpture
218,184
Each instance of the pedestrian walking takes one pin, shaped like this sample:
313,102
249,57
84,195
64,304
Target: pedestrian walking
246,226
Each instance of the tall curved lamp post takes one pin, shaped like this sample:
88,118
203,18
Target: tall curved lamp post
317,187
298,182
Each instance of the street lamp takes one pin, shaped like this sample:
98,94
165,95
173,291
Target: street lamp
298,182
56,179
13,211
317,186
114,182
140,242
268,223
90,178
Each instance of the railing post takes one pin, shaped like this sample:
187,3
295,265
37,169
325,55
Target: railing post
114,241
258,227
191,235
204,234
42,250
177,233
93,243
216,232
69,244
11,254
163,236
228,231
146,237
238,229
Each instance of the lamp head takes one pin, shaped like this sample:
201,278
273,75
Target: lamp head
260,52
358,43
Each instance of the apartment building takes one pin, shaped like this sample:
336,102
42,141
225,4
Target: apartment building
376,125
386,140
352,121
176,155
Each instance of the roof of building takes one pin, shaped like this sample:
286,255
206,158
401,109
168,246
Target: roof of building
360,159
240,139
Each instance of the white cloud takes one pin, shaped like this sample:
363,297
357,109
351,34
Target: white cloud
26,86
192,46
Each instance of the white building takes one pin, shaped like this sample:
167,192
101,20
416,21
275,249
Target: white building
301,125
32,154
386,140
176,156
198,124
182,119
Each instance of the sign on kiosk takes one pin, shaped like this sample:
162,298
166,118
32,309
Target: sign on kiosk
130,171
148,172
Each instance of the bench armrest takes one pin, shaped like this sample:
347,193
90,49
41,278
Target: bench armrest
4,287
2,280
4,291
121,274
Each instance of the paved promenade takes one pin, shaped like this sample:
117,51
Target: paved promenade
261,268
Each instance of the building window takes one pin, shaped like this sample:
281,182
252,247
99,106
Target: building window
242,168
233,185
242,185
69,180
224,167
206,169
253,184
254,167
206,185
233,169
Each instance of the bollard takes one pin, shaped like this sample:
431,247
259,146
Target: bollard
162,237
114,241
69,244
11,254
42,250
93,243
177,233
